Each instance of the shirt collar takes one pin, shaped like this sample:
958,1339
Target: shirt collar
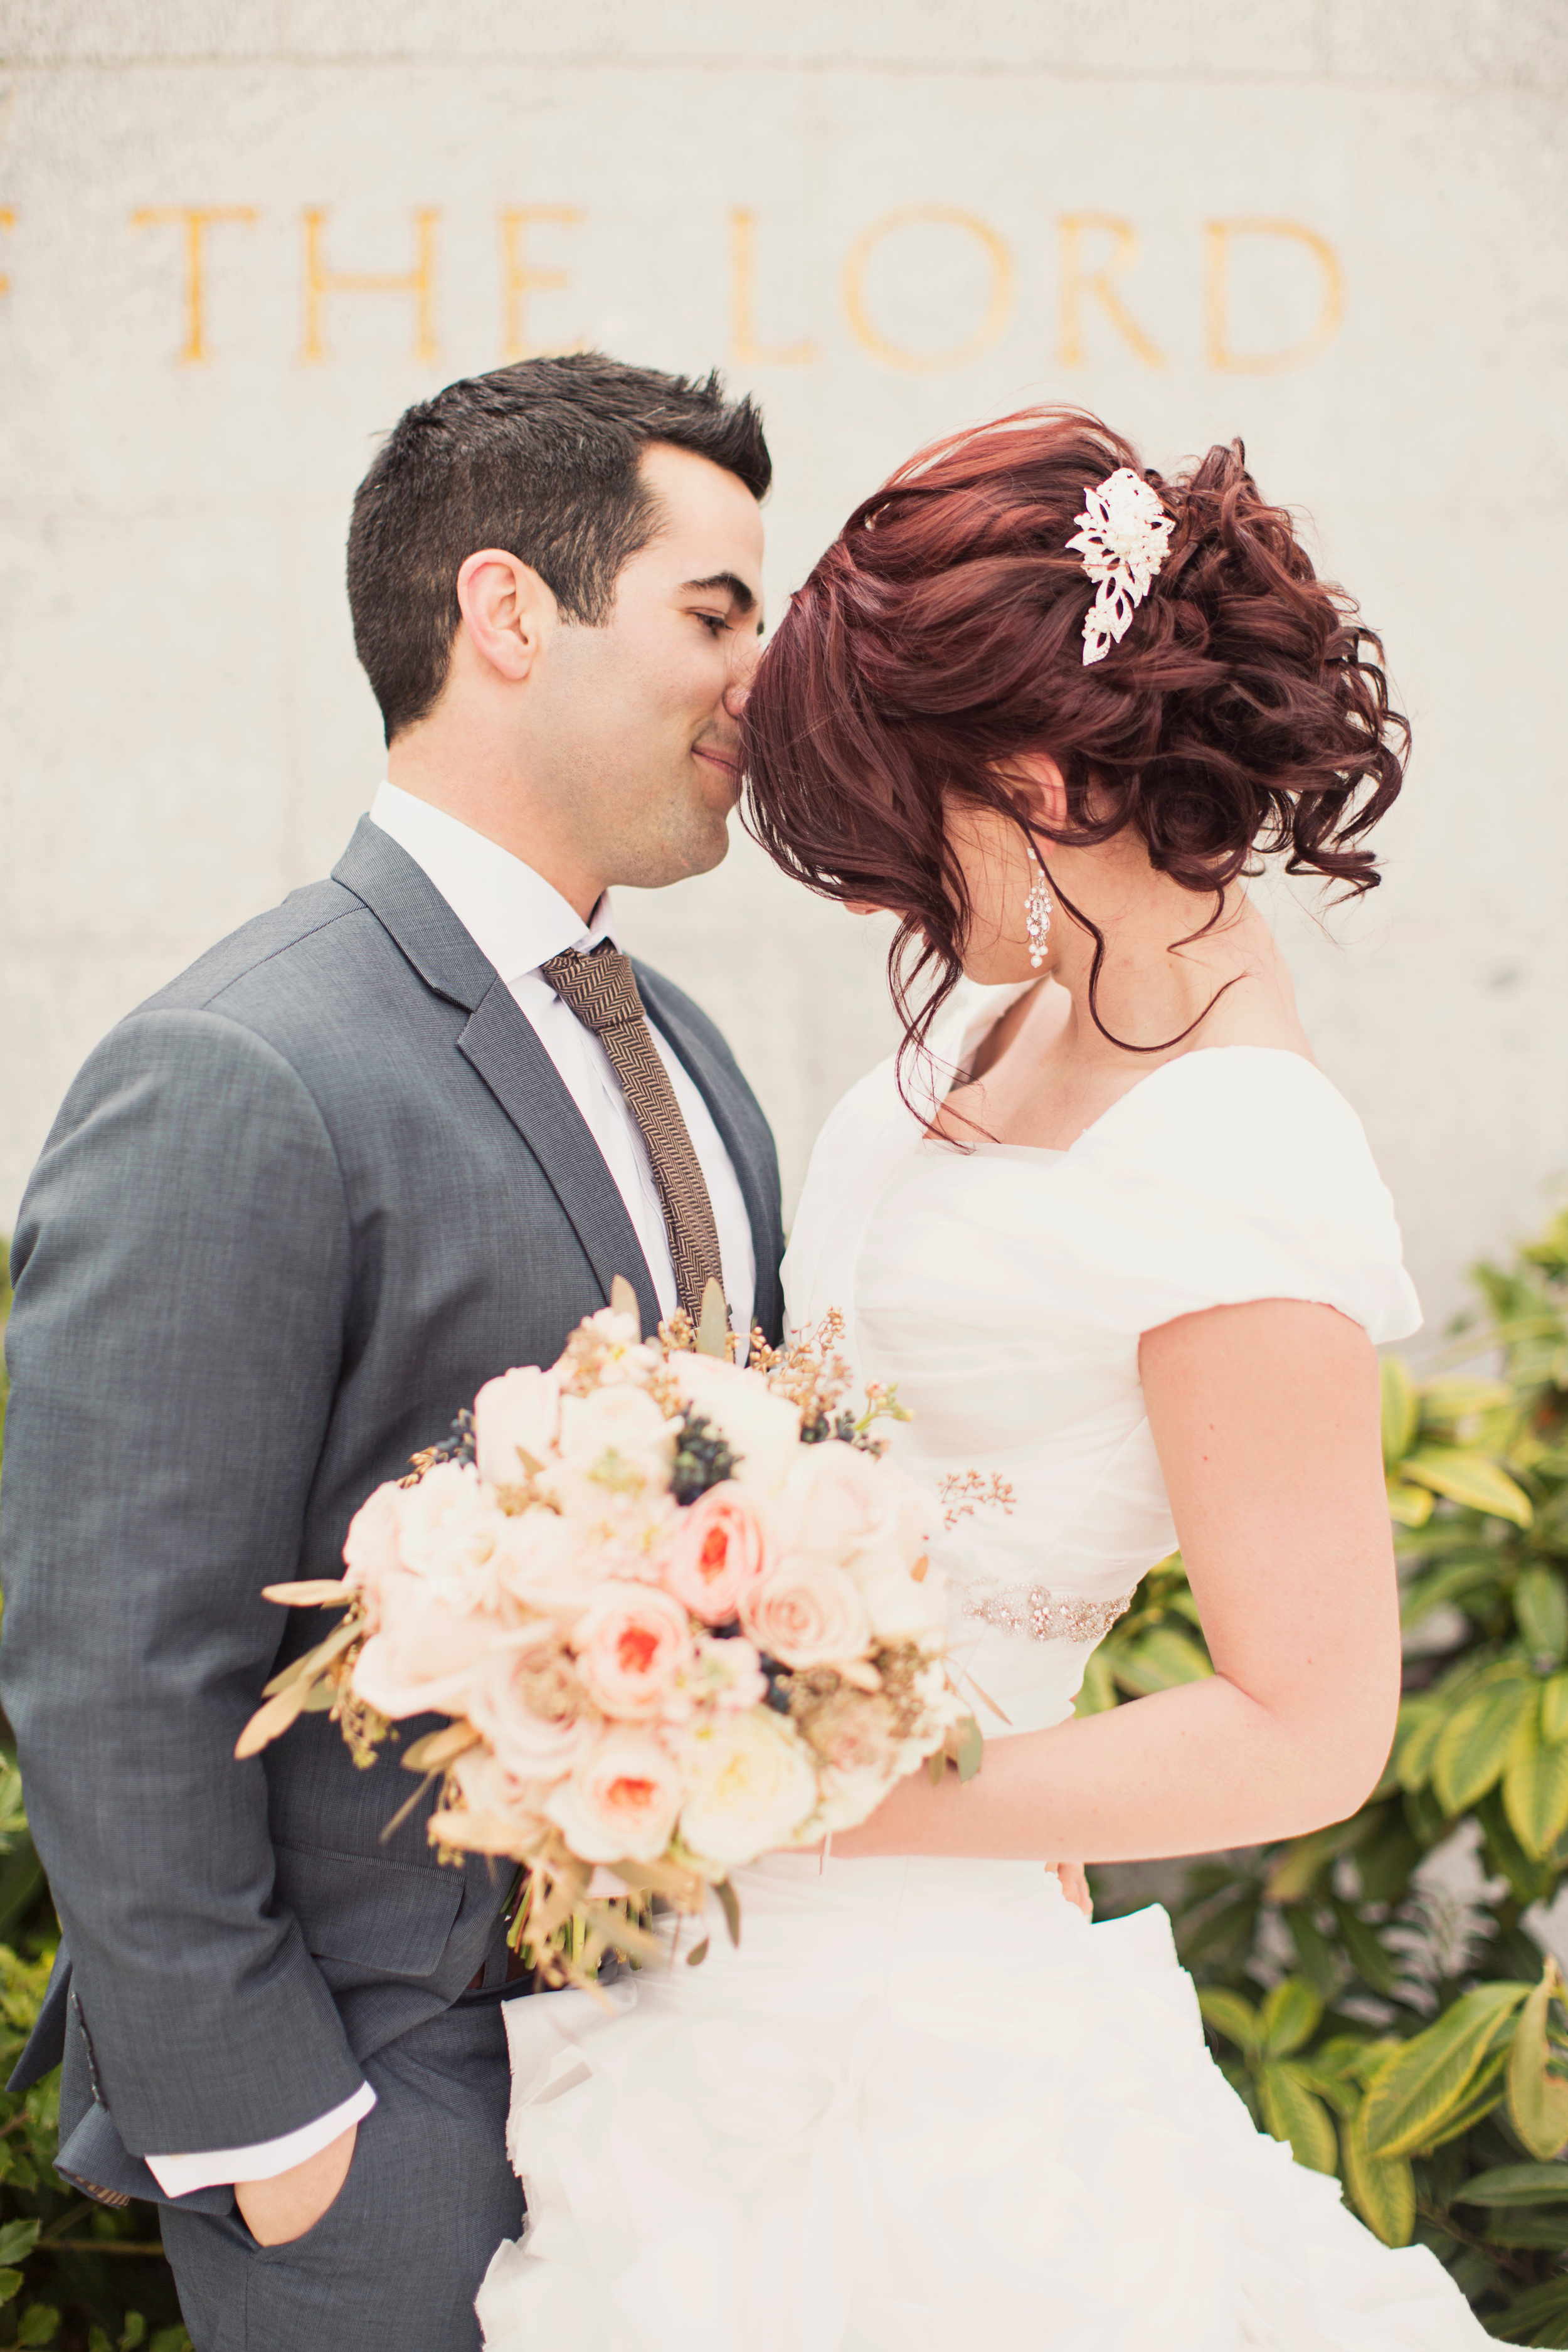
515,918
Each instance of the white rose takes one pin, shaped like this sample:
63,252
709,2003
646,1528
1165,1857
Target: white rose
902,1611
621,1800
536,1561
854,1508
618,1438
762,1430
522,1409
448,1529
752,1787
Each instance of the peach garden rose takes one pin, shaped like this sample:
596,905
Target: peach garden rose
717,1553
631,1641
621,1800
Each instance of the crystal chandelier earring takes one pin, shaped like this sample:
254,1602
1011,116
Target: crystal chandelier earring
1037,914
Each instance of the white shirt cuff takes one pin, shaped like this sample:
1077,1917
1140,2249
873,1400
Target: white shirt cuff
216,2167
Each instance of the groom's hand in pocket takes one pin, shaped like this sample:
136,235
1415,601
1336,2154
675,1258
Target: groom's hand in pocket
291,2202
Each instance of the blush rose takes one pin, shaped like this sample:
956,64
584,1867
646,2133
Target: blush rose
806,1612
632,1641
719,1549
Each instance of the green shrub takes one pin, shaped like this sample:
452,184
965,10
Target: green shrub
1399,2025
72,2275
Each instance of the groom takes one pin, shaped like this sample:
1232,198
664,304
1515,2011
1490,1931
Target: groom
362,1156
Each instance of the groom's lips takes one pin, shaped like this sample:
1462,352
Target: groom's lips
731,767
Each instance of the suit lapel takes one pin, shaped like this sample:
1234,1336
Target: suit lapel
742,1130
499,1043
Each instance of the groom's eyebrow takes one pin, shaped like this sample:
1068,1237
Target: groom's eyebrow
732,585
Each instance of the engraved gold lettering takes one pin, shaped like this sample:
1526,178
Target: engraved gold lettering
196,220
1080,284
520,279
999,309
419,282
744,349
1218,236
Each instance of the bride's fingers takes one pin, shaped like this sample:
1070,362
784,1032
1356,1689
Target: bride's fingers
1074,1885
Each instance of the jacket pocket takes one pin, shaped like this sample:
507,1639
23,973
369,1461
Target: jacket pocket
392,1916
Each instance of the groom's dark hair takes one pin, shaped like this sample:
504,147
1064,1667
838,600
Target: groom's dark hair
541,459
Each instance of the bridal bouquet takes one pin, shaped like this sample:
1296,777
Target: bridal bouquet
680,1613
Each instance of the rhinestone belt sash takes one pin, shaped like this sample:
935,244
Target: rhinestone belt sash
1044,1615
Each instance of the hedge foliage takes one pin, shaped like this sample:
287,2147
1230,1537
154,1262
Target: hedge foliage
1395,2019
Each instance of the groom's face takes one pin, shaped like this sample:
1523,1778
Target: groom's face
639,722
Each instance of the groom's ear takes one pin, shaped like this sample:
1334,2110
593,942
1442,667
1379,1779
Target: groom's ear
507,611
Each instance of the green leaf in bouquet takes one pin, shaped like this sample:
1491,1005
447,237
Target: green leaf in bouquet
1416,2090
1536,1794
730,1903
1537,2096
1290,2017
40,2325
10,2281
698,1954
713,1323
1473,1480
1474,1746
439,1748
1230,2015
1401,1410
966,1747
1517,2184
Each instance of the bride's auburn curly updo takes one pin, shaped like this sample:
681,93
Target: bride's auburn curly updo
941,638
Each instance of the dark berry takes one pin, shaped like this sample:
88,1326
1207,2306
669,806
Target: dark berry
702,1459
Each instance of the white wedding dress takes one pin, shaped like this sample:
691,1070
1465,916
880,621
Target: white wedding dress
926,2106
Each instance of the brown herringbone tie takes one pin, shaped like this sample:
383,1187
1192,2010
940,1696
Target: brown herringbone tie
602,990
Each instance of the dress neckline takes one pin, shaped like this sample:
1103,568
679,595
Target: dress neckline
984,1148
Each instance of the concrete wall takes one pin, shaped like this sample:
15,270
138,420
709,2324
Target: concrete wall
1335,226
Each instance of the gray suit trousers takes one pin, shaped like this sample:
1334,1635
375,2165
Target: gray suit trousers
394,2263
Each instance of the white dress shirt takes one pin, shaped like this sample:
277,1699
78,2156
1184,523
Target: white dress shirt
517,920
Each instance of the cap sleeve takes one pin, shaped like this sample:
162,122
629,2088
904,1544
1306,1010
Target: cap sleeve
1235,1173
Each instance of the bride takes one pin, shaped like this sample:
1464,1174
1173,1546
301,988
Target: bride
1120,1243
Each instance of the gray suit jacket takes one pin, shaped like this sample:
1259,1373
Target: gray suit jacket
294,1212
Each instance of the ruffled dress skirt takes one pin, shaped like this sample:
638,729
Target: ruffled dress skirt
925,2107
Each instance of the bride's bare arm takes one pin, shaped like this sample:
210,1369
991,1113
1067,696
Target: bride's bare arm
1266,1418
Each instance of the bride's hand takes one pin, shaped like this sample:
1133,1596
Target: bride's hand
1074,1884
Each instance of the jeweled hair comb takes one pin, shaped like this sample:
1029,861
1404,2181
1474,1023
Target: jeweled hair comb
1123,540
